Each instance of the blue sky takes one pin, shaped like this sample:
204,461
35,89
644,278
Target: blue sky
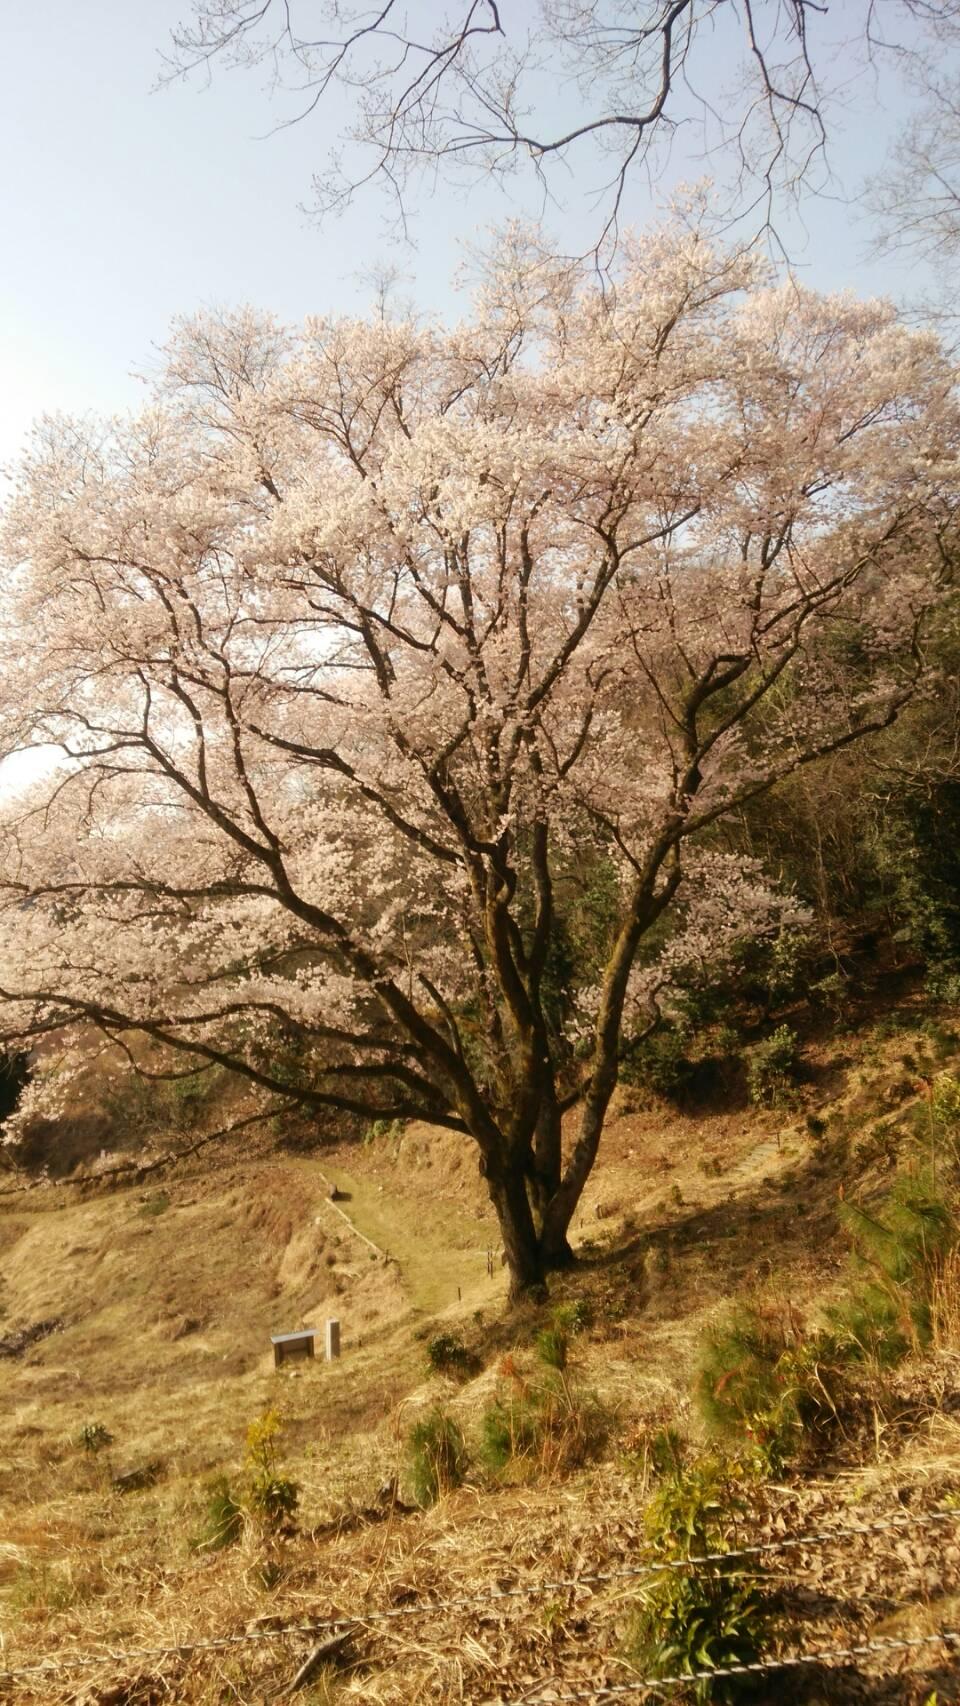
122,207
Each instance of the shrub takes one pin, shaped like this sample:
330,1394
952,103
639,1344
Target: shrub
383,1128
897,1254
746,1390
701,1616
659,1063
771,1067
222,1522
552,1347
437,1457
764,1383
510,1427
94,1437
447,1354
574,1317
552,1344
831,995
668,1451
546,1421
272,1496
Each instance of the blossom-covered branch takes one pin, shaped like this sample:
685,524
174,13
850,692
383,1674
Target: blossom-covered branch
358,637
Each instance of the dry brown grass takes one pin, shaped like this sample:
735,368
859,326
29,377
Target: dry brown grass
249,1246
945,1304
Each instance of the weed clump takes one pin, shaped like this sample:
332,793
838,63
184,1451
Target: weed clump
447,1354
697,1615
897,1253
222,1522
436,1456
761,1384
266,1497
543,1420
157,1203
767,1383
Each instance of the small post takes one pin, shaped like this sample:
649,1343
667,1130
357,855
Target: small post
333,1340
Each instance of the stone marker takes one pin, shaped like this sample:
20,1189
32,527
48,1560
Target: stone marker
333,1340
286,1345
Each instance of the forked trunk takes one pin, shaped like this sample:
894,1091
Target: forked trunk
554,1242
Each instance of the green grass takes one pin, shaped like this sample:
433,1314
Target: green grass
437,1248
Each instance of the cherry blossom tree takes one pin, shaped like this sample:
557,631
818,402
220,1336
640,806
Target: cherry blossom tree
363,639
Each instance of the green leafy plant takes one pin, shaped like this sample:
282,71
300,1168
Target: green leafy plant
699,1616
94,1437
771,1068
659,1062
447,1354
272,1496
437,1456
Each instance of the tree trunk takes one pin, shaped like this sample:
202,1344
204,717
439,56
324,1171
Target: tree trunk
508,1193
547,1161
556,1222
556,1251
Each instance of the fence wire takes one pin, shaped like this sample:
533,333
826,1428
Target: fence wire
789,1661
532,1590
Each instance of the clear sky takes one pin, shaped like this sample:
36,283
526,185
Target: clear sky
122,207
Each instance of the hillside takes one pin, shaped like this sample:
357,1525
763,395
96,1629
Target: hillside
164,1294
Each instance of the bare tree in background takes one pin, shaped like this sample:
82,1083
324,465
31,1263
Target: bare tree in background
470,88
917,201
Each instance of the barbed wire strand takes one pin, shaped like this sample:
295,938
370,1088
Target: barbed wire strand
529,1590
824,1655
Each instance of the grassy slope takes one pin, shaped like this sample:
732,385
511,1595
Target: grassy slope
166,1342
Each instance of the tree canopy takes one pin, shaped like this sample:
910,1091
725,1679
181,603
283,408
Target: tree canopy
366,640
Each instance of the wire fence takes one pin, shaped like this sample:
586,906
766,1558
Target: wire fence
789,1661
585,1580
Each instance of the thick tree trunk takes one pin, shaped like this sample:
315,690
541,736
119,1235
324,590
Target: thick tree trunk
556,1251
547,1159
521,1245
